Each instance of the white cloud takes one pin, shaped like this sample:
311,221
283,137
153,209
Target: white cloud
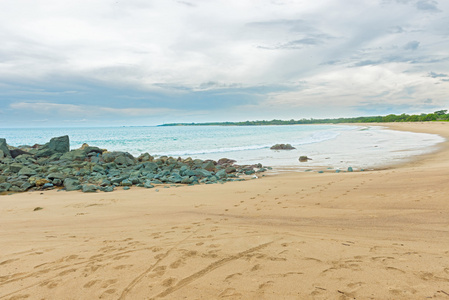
345,50
85,110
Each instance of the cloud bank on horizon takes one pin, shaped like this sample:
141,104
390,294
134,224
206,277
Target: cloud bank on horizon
138,62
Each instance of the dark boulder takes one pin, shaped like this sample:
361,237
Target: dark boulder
304,159
282,147
16,152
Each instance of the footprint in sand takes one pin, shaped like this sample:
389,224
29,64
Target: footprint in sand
229,293
90,283
255,268
169,282
109,282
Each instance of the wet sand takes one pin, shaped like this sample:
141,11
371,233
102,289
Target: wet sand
365,235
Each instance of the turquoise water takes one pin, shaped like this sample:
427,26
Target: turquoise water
328,145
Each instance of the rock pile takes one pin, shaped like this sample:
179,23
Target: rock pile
90,168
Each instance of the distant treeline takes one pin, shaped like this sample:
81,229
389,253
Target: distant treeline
440,115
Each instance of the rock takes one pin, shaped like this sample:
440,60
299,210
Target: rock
148,184
90,150
145,157
120,158
304,159
57,182
5,186
4,148
175,178
96,159
60,144
16,152
71,184
202,173
53,176
107,189
197,162
282,147
41,181
225,161
15,167
74,155
2,155
83,146
98,169
25,186
221,174
56,145
151,166
89,188
105,183
47,185
118,179
27,171
187,180
135,180
108,157
14,189
230,169
126,182
209,166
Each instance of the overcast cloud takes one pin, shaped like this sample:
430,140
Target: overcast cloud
141,62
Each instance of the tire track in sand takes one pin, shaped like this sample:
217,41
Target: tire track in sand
136,280
185,281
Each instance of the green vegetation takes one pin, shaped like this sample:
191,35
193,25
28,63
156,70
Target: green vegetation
440,115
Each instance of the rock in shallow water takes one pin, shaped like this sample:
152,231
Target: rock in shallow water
282,147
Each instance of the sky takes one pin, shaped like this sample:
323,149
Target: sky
147,62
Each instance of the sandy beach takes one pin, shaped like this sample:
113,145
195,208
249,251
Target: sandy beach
380,234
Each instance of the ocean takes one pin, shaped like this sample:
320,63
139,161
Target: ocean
329,146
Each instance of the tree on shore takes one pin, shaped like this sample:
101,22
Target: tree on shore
440,115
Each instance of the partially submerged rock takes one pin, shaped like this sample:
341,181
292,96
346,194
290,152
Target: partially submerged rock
282,147
304,159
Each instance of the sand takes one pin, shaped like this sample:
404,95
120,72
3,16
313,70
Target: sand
364,235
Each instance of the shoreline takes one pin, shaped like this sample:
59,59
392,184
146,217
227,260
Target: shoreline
379,234
415,127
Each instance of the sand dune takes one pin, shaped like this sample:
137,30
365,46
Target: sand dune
364,235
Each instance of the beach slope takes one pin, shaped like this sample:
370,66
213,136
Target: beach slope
366,235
